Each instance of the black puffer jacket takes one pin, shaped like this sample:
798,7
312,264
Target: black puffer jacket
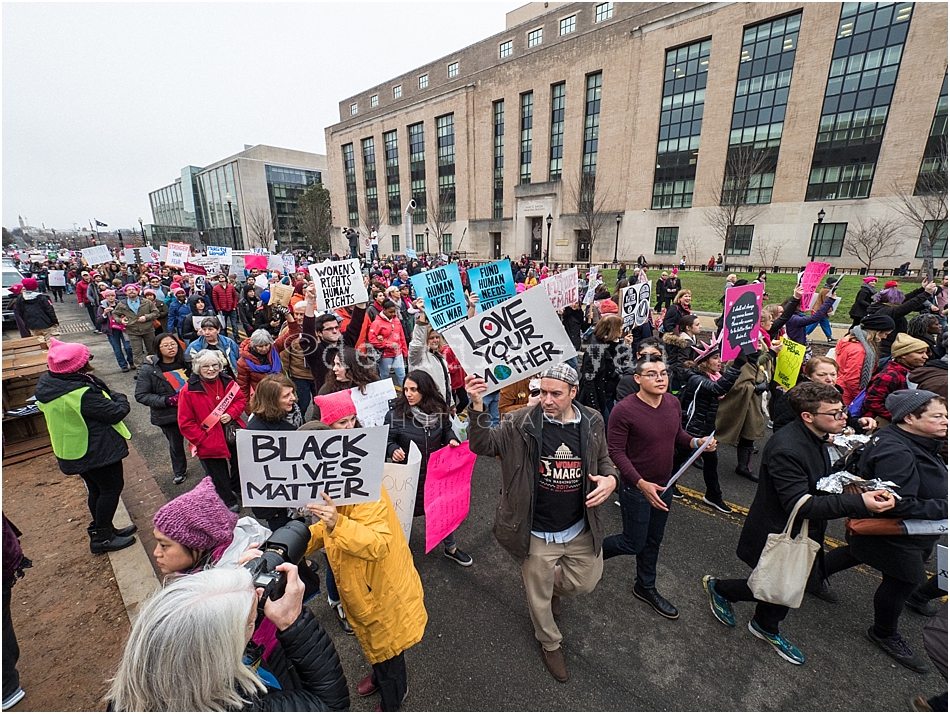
152,390
862,301
700,398
36,310
406,431
913,302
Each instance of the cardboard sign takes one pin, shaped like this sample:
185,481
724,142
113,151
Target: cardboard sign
512,341
493,283
177,254
57,278
195,269
635,305
290,265
401,482
220,253
253,261
743,307
441,290
811,279
788,363
196,321
562,288
97,255
280,294
292,468
372,407
338,283
448,491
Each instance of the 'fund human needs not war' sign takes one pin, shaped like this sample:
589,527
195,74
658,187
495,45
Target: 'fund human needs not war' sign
493,283
441,291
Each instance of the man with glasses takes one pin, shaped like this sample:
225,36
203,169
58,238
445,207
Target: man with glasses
793,461
644,430
320,334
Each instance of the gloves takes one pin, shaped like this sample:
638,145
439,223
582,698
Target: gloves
761,387
172,401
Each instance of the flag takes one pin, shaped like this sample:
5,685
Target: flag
100,223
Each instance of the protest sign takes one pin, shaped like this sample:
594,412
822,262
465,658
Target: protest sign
194,269
401,482
591,289
292,468
253,261
37,257
275,261
689,462
635,305
129,256
97,255
788,363
410,253
196,321
57,278
512,341
942,567
562,288
493,283
280,294
148,255
162,252
290,265
741,320
261,282
372,407
338,283
63,255
448,491
220,253
811,278
441,290
177,254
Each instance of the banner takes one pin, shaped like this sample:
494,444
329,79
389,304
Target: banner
280,294
512,341
743,307
448,491
194,269
372,407
635,305
493,283
220,253
177,254
338,283
788,363
253,261
562,288
401,482
97,255
441,289
811,278
292,468
57,278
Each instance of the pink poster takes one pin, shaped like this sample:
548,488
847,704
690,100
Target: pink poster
740,322
811,279
255,261
448,490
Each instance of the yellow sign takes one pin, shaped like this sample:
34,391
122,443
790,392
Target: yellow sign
788,364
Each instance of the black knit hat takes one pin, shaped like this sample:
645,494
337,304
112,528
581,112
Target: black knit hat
878,322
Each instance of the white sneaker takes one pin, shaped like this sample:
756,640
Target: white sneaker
14,698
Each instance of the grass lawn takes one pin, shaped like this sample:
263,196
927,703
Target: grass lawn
707,288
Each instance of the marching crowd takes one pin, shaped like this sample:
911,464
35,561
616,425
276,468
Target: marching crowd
216,354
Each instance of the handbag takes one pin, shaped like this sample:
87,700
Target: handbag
874,526
782,572
230,432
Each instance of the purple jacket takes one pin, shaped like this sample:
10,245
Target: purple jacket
12,554
795,327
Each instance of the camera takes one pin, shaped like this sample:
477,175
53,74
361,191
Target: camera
286,545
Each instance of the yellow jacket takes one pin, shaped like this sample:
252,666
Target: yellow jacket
379,587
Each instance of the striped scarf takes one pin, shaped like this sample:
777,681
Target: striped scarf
870,356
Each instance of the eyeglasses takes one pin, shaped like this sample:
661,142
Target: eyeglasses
214,367
655,375
840,414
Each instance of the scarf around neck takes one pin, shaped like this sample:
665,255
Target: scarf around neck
870,356
426,421
273,364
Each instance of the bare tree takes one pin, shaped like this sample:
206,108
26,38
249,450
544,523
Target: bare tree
767,250
870,240
259,227
689,247
731,207
591,199
441,215
314,218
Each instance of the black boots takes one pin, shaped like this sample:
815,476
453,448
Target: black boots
744,468
105,540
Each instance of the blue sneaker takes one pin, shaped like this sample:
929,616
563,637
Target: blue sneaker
721,608
786,650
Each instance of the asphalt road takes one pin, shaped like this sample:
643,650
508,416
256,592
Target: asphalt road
479,651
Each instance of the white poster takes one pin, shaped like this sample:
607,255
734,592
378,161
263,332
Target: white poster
401,482
128,255
177,254
292,468
64,255
290,265
338,283
562,288
196,321
635,304
372,407
148,255
97,255
275,261
220,254
511,341
57,278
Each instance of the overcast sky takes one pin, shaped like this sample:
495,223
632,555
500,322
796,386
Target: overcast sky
105,102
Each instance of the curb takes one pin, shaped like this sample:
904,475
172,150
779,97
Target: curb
133,569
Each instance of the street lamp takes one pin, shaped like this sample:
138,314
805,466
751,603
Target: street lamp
228,198
142,228
815,233
617,239
547,252
427,241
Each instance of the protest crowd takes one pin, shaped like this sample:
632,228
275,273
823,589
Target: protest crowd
274,372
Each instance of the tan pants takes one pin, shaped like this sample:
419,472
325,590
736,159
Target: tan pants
580,573
45,333
141,346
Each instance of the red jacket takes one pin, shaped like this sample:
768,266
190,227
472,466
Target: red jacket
387,336
81,287
224,299
195,403
456,373
248,378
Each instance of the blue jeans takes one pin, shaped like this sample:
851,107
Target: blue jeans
396,363
643,528
118,340
230,316
491,406
825,327
305,394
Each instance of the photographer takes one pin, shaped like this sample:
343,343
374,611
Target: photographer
186,650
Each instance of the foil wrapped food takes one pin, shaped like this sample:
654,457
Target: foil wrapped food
836,482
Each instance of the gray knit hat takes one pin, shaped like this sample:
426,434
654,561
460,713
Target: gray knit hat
564,372
904,401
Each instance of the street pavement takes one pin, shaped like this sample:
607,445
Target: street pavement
479,651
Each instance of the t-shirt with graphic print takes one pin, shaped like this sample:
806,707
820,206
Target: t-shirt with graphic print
559,502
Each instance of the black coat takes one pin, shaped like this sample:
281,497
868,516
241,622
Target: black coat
913,302
793,461
575,322
671,320
679,350
405,431
246,310
603,365
36,311
153,390
914,464
862,301
700,398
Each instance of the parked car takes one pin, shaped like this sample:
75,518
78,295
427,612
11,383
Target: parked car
11,276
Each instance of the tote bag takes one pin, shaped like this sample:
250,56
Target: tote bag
782,571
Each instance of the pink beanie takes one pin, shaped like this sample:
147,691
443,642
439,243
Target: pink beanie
66,357
335,406
108,294
197,519
870,279
30,284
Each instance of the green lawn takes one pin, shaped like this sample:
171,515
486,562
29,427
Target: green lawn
707,288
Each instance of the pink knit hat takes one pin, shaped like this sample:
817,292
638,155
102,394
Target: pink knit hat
30,284
335,406
197,519
66,357
108,294
870,279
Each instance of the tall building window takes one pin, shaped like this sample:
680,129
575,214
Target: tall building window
349,180
557,131
453,70
932,177
603,11
284,186
591,123
504,49
396,247
739,241
394,200
827,240
397,91
527,122
374,100
352,109
861,78
446,242
423,81
681,121
498,186
417,171
939,239
369,176
666,239
420,243
567,25
445,138
534,37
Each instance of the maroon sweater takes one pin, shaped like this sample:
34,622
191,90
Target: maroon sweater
640,438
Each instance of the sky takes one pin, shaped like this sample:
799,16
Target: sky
105,102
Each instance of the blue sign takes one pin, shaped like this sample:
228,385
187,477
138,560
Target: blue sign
441,290
493,283
410,253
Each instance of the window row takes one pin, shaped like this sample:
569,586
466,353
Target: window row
566,25
452,71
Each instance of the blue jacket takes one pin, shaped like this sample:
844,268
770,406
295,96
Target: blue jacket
176,310
227,346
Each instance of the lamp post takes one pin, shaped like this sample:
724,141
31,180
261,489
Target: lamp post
228,198
547,253
142,228
617,239
815,233
427,241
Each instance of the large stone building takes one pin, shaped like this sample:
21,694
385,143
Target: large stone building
243,201
670,128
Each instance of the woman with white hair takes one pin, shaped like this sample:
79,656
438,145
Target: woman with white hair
259,357
186,651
